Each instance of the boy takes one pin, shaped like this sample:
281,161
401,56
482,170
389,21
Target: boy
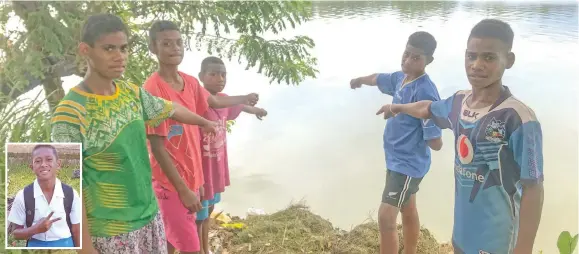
108,116
407,142
215,167
499,160
176,147
39,209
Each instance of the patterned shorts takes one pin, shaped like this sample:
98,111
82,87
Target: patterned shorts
149,239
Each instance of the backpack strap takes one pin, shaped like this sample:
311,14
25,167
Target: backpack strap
29,205
68,198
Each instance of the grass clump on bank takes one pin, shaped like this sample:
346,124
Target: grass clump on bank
297,230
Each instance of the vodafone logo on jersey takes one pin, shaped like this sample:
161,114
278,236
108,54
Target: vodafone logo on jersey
464,149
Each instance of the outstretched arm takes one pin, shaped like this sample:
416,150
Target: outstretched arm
439,112
431,133
369,80
230,101
386,82
419,109
258,112
184,115
156,110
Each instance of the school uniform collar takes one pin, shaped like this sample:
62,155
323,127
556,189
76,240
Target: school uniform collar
57,189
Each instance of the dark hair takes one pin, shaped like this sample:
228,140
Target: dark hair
493,28
45,146
424,41
210,60
99,25
160,26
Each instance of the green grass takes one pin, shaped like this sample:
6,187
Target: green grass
22,175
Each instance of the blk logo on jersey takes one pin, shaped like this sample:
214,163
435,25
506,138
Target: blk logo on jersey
470,114
464,149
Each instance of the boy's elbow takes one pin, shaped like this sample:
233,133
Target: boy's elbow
18,237
435,144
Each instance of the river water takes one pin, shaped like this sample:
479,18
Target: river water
322,142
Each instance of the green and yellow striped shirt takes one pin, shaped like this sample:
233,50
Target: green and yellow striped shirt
116,174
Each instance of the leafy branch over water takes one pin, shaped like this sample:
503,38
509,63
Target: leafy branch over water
43,48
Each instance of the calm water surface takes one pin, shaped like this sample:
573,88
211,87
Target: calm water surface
323,143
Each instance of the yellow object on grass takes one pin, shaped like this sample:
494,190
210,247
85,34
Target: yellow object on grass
220,216
225,221
237,225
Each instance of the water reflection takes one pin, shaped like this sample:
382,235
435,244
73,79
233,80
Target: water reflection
403,10
554,19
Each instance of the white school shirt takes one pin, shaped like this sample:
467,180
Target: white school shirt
58,230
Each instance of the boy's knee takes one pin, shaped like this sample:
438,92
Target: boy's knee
387,215
409,210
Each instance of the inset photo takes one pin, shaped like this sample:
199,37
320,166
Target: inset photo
43,190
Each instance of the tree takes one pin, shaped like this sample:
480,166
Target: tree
44,51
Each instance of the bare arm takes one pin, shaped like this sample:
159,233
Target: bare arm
258,112
183,115
42,226
22,233
419,109
161,155
76,234
87,247
369,80
530,216
250,109
230,101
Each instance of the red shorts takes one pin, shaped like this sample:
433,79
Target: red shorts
180,226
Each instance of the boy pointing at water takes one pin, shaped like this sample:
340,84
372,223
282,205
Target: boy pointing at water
407,142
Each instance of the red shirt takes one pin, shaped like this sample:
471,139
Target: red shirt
182,141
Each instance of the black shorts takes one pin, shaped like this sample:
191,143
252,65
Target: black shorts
399,187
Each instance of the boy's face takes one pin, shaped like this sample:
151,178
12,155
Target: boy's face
44,163
168,47
414,60
108,56
214,78
485,61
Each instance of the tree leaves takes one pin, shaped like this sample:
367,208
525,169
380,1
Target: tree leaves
566,243
226,28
